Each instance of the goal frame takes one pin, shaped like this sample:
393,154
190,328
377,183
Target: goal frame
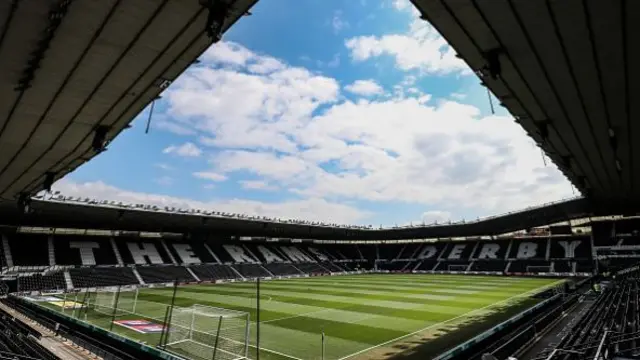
113,309
537,268
223,314
457,267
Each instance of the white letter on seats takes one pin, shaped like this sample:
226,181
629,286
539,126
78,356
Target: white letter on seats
489,251
268,255
457,250
295,254
429,251
569,248
527,250
145,249
86,251
238,254
186,254
318,254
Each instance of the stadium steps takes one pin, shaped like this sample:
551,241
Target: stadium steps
267,270
137,275
67,279
418,263
237,272
166,249
116,252
193,274
213,255
6,249
52,251
56,345
553,336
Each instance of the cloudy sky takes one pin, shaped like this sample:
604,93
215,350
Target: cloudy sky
345,111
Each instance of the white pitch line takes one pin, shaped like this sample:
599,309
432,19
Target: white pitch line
304,314
446,321
275,352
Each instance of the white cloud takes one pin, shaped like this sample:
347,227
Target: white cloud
338,23
165,167
231,108
229,53
364,88
401,4
307,209
187,150
256,185
435,216
210,176
459,96
421,48
294,130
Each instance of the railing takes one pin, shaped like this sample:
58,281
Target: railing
494,330
153,353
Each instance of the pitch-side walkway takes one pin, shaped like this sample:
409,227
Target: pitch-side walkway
552,338
61,348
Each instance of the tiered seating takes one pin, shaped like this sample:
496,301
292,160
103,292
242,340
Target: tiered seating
488,265
213,272
157,274
617,310
282,269
29,249
427,265
312,268
53,281
562,266
522,266
333,267
395,265
251,270
388,251
17,339
409,251
102,276
100,344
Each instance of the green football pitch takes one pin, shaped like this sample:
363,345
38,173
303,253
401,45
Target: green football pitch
362,316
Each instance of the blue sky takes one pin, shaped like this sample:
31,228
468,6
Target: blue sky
346,111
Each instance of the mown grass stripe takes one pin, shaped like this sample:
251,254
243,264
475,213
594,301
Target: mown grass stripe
343,330
493,294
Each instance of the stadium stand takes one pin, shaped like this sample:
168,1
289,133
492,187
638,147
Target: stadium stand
19,341
102,276
165,273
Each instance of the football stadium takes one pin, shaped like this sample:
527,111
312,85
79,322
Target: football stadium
88,277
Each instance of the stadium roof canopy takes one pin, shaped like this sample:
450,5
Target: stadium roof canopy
568,72
75,73
62,214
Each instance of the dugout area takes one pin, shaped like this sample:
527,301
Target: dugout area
367,316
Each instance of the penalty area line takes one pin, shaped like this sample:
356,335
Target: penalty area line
275,352
536,290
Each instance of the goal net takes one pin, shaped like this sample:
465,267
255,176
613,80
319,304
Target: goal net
204,332
116,303
538,269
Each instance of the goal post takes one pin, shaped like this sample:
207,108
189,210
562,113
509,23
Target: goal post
205,332
538,269
458,267
119,302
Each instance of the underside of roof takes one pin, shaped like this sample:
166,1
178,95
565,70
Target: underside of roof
567,70
55,214
75,73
